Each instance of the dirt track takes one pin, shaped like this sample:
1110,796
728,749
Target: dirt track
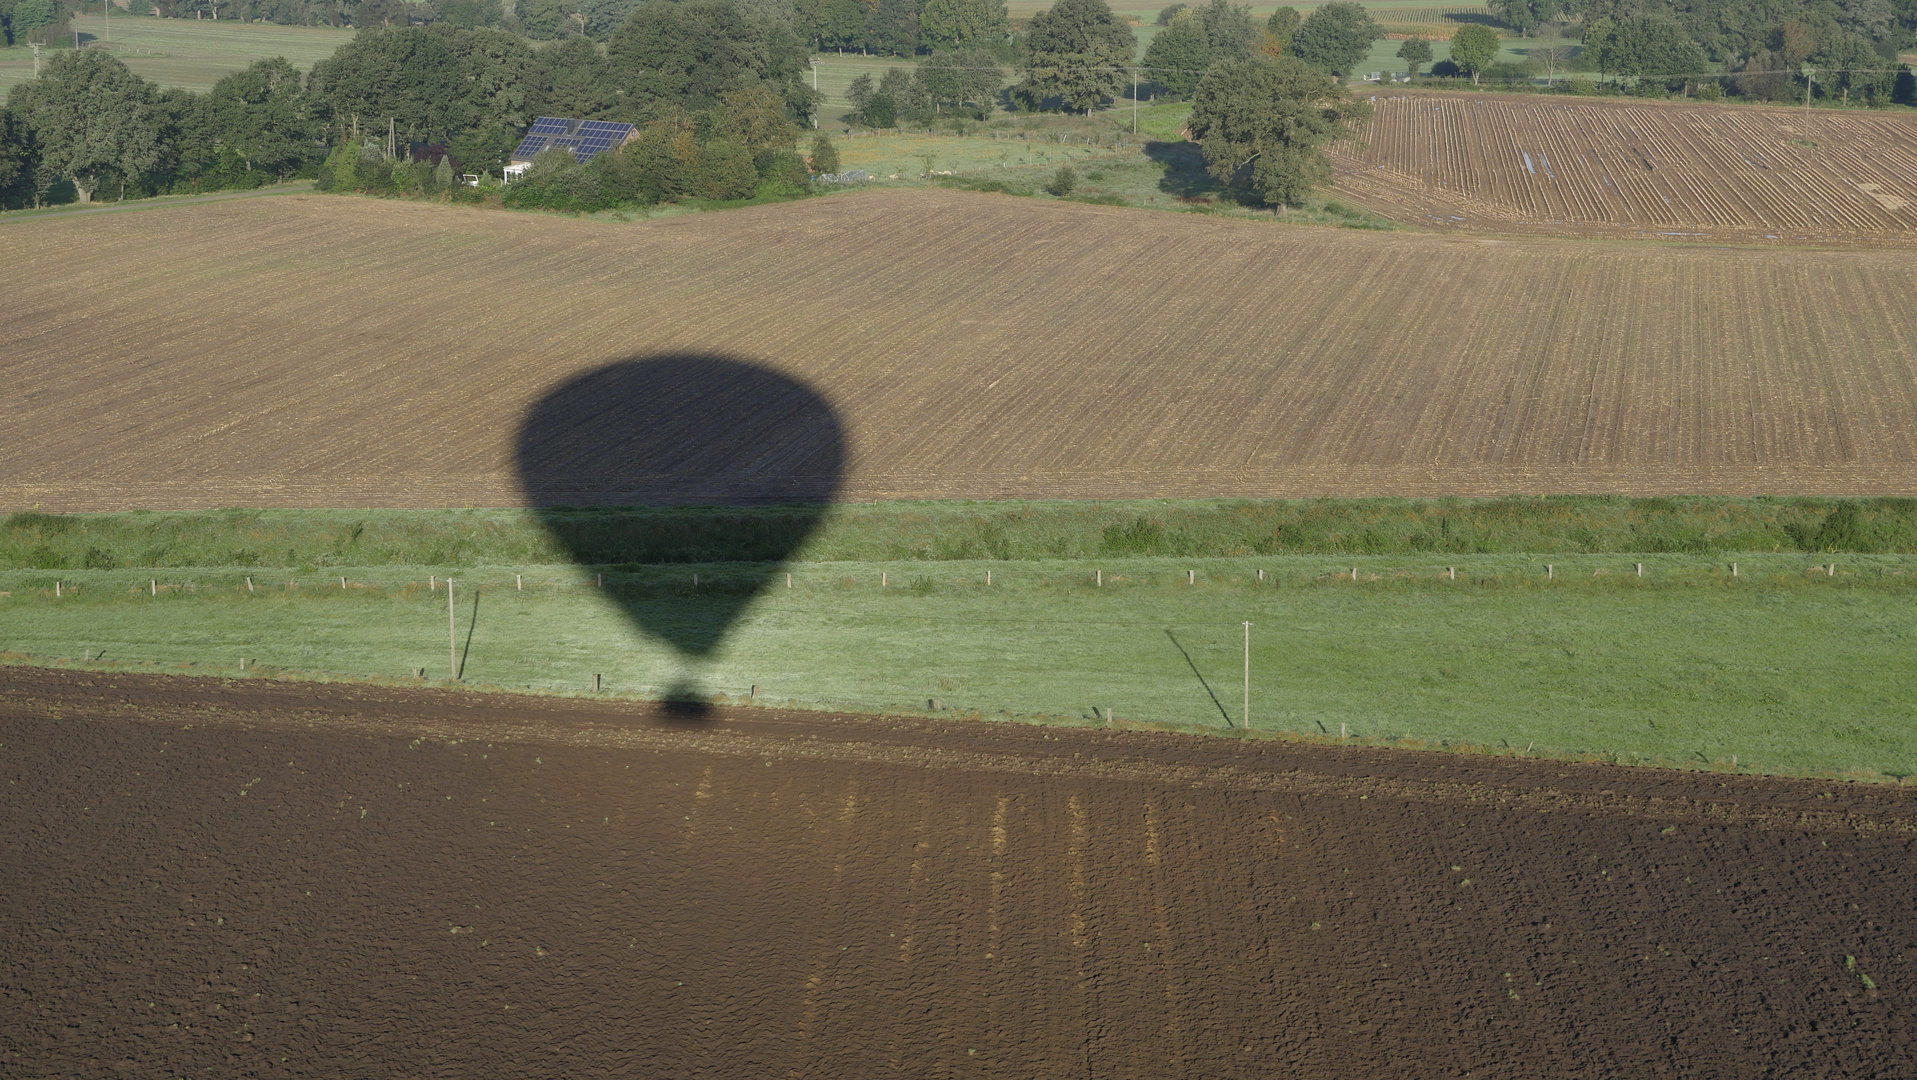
234,879
327,351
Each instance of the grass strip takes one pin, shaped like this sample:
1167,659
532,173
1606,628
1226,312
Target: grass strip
1785,667
308,540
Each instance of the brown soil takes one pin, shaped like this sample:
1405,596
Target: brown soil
329,351
207,878
1532,164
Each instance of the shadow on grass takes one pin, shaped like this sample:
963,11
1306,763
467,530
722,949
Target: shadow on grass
682,430
1185,177
1201,678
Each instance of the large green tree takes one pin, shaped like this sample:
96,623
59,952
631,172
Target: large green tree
959,77
1229,29
28,16
691,53
1275,39
16,158
945,24
90,116
1261,122
893,28
1856,70
1653,48
1336,37
1474,47
410,76
263,115
833,24
1077,53
573,78
687,53
1524,16
1178,56
1415,51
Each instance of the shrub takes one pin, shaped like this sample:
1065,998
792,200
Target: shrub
825,156
726,170
1141,536
556,181
1063,181
783,173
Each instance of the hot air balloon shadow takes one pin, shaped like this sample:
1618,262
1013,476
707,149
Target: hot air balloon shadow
683,430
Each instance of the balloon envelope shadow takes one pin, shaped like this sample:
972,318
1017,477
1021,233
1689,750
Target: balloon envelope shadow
683,430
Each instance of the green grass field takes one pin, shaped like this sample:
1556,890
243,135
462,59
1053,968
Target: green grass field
1781,663
191,53
1788,669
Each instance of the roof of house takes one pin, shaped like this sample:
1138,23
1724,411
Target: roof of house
585,138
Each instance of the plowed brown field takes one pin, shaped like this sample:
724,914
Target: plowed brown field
1512,163
252,879
327,351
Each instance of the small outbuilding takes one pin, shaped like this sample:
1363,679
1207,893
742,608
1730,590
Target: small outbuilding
586,139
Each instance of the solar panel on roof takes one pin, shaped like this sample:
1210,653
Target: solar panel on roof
586,139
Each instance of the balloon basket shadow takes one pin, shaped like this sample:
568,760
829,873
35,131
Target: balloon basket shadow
685,705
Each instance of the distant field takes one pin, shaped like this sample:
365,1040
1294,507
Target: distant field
1615,168
191,53
309,350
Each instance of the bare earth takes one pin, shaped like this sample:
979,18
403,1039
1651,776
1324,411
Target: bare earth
1531,164
208,878
329,351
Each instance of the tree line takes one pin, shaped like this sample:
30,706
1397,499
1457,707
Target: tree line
90,126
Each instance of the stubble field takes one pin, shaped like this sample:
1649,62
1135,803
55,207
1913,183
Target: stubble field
1511,163
324,351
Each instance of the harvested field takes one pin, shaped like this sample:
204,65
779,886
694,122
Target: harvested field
321,351
1510,163
211,878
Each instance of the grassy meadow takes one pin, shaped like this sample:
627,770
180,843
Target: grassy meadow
1547,640
189,53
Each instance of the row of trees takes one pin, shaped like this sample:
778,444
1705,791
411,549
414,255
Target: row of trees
1335,38
38,21
741,149
1760,48
959,82
90,123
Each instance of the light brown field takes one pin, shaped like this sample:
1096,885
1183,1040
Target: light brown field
316,350
1512,163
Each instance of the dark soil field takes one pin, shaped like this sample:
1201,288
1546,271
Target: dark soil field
206,878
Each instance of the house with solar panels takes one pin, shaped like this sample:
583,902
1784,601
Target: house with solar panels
587,139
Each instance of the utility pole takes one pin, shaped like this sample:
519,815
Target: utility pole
1134,101
106,20
815,89
36,61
